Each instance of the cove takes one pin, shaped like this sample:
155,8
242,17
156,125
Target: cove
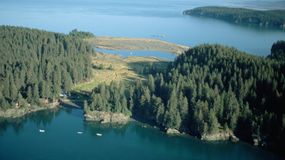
21,139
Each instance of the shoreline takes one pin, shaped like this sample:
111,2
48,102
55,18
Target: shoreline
106,117
119,118
242,16
22,111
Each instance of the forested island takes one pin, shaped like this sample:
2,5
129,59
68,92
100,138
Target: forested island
259,18
211,91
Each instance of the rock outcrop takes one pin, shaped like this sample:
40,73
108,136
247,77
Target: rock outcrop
21,111
172,131
106,117
220,136
257,141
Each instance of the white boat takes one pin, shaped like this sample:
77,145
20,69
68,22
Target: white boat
99,134
42,131
79,132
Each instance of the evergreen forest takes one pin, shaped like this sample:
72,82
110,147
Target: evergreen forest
258,18
208,89
38,65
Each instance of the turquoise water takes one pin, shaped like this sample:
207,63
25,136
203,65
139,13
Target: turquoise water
145,19
21,139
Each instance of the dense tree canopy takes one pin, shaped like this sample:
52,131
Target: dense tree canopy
278,51
80,34
112,98
268,18
37,64
208,89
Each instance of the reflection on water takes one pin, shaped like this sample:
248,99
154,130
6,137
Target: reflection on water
41,119
94,128
20,139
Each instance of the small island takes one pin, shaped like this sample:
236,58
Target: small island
243,16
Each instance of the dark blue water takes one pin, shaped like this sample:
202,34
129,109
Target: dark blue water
135,18
20,139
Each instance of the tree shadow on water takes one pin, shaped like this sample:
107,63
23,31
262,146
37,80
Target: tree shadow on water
41,119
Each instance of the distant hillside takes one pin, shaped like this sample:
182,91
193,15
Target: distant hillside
267,19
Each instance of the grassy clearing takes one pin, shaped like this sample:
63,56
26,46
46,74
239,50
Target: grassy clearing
108,68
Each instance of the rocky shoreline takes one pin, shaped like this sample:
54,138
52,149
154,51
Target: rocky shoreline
106,117
119,118
172,131
220,136
21,111
109,117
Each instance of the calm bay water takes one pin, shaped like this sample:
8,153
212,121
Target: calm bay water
21,139
163,19
145,19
